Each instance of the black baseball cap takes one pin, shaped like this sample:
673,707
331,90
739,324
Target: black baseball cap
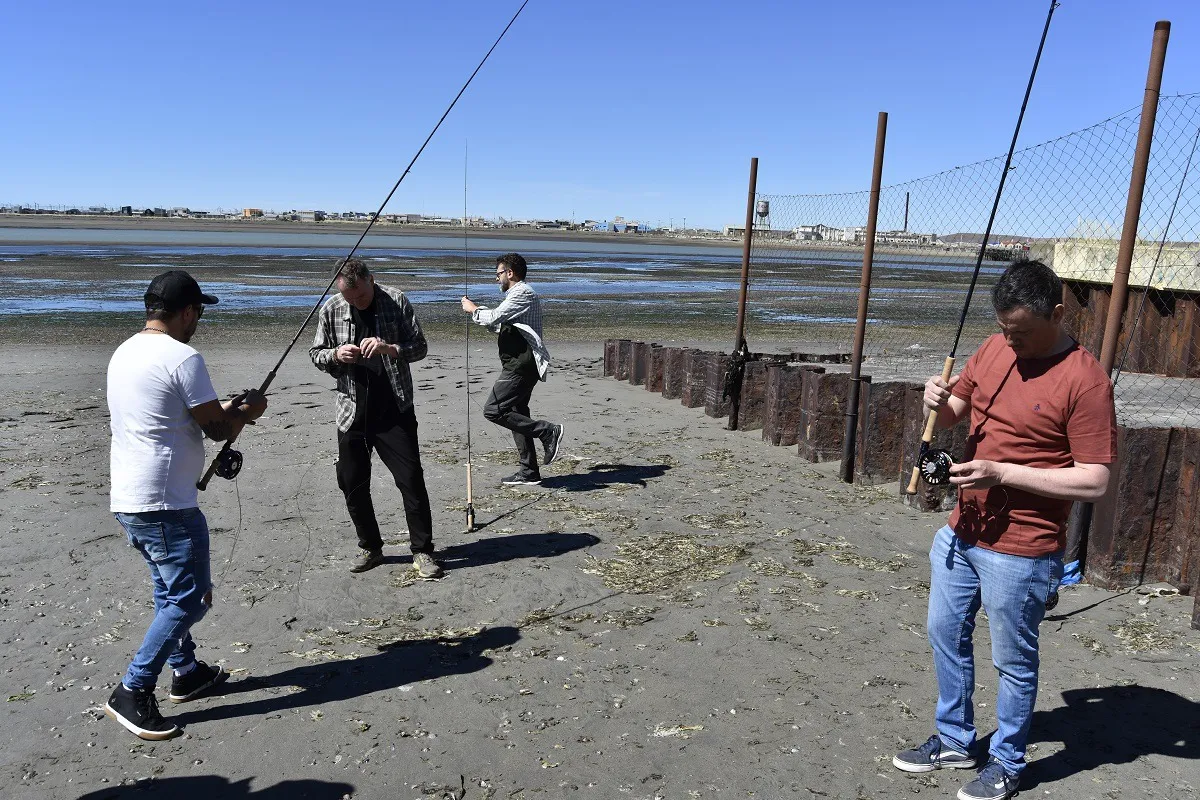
174,290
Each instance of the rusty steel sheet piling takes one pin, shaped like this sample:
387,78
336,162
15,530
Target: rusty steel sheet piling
752,399
882,413
673,371
655,361
611,347
637,363
782,412
716,404
822,416
695,378
624,359
1145,529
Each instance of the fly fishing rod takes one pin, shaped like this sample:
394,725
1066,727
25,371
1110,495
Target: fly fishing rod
933,464
228,462
467,383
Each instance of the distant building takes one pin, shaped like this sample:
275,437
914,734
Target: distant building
251,213
311,216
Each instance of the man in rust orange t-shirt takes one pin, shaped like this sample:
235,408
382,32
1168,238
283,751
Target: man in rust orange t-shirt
1043,434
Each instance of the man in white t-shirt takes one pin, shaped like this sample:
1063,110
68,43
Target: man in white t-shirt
162,404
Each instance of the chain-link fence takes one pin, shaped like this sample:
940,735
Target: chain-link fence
1064,203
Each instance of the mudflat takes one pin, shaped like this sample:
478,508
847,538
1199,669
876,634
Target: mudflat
679,611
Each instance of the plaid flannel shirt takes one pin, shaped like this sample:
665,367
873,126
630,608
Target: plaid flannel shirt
396,324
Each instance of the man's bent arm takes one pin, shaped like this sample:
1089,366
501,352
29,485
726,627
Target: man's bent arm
323,352
1083,482
222,421
512,306
412,345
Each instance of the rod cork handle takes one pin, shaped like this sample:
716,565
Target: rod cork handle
930,427
470,502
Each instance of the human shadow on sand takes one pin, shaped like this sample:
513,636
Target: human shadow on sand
1113,725
394,665
602,476
498,549
206,787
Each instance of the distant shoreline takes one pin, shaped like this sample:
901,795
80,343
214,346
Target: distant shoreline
339,227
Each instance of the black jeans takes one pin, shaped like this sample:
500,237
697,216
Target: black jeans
395,439
508,407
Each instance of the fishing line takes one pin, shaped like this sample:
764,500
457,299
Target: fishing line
931,463
223,458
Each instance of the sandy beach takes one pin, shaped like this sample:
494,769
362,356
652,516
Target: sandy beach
679,612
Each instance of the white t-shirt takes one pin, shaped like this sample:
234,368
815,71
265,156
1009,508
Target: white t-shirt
157,450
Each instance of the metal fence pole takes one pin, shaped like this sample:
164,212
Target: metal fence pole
1081,520
740,340
1133,205
864,293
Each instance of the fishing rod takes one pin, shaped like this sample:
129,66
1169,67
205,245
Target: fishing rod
934,464
470,322
228,462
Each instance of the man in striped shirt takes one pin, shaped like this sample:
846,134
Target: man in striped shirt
517,322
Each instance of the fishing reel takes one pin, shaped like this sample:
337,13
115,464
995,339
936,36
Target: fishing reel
934,466
228,464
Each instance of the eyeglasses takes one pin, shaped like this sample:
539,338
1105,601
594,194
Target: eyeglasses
199,310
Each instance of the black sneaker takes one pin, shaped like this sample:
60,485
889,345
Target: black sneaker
368,559
993,783
521,479
930,756
550,444
195,683
137,711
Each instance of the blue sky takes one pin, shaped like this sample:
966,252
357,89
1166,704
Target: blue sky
650,110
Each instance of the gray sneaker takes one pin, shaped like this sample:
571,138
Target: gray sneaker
370,559
930,756
993,783
426,568
550,444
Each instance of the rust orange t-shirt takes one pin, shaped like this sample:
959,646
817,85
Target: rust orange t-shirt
1047,413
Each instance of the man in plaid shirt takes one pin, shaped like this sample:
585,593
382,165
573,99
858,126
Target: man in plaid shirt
366,337
517,321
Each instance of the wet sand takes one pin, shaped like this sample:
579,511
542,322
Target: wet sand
679,612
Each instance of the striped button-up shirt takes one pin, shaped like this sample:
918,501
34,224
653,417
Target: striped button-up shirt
395,323
521,308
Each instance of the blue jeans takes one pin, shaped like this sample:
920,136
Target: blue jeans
1013,591
175,546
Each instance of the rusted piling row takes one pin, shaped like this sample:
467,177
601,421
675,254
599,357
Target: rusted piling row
639,354
655,361
695,377
1146,529
882,409
716,404
781,412
674,372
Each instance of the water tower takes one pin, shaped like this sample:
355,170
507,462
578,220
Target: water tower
762,214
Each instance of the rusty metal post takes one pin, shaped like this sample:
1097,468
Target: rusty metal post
740,340
864,294
1081,521
1133,205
